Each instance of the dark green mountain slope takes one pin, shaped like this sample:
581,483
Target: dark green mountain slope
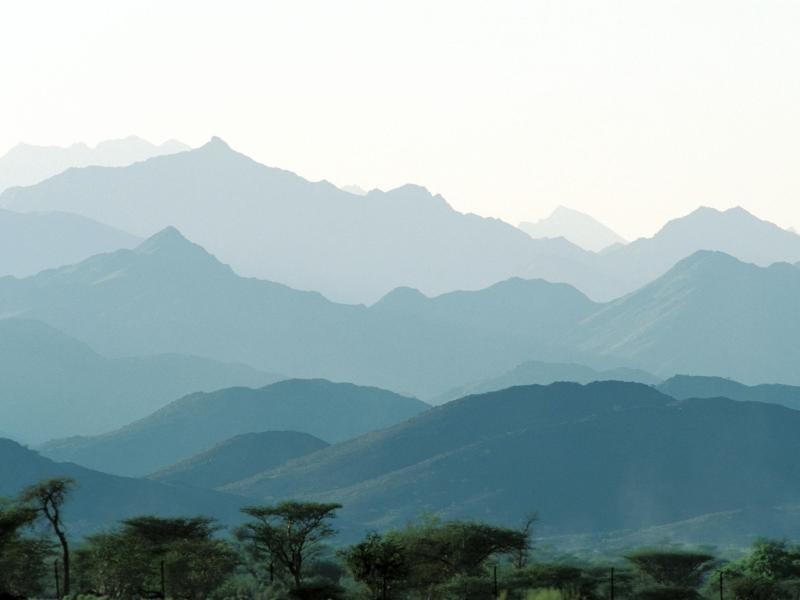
688,386
543,373
53,385
100,500
600,457
240,457
171,296
185,427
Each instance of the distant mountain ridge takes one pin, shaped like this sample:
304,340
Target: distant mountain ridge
695,386
710,314
169,295
735,232
238,458
52,385
501,455
27,164
273,224
544,373
197,422
99,501
579,228
33,242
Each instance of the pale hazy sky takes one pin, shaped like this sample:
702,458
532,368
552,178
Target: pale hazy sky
635,111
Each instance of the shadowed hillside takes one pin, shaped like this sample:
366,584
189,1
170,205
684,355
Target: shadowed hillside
239,457
600,457
330,411
100,500
53,385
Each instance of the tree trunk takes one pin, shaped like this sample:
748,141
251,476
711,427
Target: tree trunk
65,559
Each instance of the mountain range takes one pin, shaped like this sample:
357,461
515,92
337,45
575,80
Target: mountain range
607,456
169,295
100,500
579,228
195,423
709,315
27,164
275,225
687,386
32,242
52,385
238,458
544,373
603,464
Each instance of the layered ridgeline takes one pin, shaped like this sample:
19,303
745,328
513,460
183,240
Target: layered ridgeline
100,501
697,386
170,296
330,411
239,457
26,164
604,457
52,385
273,224
32,242
579,228
711,314
544,373
734,231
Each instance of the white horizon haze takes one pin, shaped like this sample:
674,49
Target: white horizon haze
635,113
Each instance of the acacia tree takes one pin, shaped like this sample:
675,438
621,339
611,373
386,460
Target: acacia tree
48,497
288,534
128,562
377,562
22,560
675,572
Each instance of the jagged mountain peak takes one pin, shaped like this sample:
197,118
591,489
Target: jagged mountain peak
168,239
575,226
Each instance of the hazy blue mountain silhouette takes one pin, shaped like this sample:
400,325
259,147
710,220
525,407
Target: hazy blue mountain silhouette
709,315
32,242
601,457
734,231
239,457
273,224
170,296
197,422
544,373
579,228
689,386
99,501
53,385
27,164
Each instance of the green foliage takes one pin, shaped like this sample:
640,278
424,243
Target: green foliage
128,562
380,563
22,560
286,536
673,569
47,498
548,595
666,592
770,571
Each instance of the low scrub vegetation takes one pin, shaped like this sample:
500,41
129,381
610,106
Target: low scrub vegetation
288,551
